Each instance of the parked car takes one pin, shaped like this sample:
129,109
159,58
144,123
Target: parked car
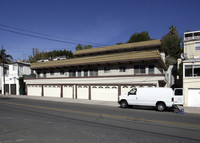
156,97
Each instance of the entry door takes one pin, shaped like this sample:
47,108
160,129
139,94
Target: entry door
13,89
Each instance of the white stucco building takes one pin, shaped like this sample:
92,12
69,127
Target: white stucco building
101,73
12,72
191,68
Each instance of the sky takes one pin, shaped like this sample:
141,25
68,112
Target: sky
63,24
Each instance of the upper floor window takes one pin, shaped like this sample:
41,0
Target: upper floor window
106,69
79,73
197,46
51,72
94,72
62,72
85,73
188,70
72,73
192,71
151,69
139,69
122,69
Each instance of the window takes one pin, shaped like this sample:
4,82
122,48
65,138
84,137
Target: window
192,71
197,70
14,67
188,71
197,46
151,69
62,72
178,92
139,69
85,73
51,72
132,91
122,69
106,69
72,73
94,72
44,74
79,73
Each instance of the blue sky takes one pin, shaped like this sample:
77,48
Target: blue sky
105,22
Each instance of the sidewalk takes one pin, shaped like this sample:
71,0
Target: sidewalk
194,110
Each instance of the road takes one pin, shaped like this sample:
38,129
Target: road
34,121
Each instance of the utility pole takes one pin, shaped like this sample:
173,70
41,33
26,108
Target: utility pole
2,61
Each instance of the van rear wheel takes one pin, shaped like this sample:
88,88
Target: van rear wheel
124,104
160,107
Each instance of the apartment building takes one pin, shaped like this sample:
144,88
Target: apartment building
12,73
191,68
101,73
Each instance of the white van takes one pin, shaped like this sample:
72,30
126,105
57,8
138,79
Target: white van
157,97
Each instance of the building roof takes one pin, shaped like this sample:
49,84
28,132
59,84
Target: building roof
150,43
103,59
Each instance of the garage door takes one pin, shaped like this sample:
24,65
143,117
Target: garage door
82,92
52,90
68,91
104,93
194,97
34,90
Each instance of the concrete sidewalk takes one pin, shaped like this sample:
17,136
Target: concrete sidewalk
194,110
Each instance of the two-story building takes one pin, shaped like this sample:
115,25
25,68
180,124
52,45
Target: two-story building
12,73
101,73
191,68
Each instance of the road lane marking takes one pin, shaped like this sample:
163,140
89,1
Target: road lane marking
99,114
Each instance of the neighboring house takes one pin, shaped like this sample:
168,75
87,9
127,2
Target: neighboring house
191,68
12,73
101,73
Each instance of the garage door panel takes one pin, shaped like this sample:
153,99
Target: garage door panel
68,91
35,90
194,97
82,92
52,91
104,93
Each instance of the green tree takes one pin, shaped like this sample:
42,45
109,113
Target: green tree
22,86
171,43
87,47
4,59
79,47
137,37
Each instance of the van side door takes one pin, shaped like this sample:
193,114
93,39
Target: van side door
178,96
132,97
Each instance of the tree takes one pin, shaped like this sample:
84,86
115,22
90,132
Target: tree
4,59
79,47
137,37
171,43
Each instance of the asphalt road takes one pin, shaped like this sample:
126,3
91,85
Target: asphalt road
34,121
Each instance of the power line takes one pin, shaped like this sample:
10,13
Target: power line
45,38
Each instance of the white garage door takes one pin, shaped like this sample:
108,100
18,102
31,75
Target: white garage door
194,97
35,90
52,90
82,92
104,93
68,91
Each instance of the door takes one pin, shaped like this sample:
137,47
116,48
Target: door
178,96
132,97
13,89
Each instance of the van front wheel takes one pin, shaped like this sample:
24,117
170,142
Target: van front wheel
124,104
160,107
